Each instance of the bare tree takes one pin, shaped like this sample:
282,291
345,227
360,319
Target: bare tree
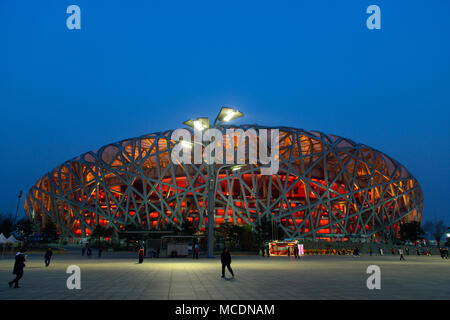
436,229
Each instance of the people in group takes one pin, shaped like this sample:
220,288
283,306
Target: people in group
19,264
225,258
141,255
356,251
48,256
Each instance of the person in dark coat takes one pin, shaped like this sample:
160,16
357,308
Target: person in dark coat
296,251
48,256
89,252
141,255
197,249
226,261
83,250
18,268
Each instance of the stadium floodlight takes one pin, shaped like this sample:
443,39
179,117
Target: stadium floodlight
227,114
199,124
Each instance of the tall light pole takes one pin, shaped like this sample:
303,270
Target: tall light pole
200,124
18,202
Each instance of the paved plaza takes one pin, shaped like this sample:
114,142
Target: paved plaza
311,277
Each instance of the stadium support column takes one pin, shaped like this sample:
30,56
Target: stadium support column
211,176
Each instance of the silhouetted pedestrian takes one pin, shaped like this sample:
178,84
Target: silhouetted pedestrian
19,264
400,252
407,251
89,252
370,251
141,255
83,250
225,258
296,251
100,250
196,250
48,256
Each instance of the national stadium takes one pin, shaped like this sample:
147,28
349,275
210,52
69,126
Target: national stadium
327,188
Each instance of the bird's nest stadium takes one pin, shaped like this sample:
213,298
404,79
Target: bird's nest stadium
327,188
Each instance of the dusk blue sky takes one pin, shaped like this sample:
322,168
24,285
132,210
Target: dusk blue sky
138,67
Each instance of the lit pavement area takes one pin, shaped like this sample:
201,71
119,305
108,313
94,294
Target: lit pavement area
311,277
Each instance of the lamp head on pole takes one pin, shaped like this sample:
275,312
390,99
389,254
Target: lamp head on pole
227,114
199,124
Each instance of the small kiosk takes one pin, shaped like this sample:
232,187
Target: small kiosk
280,248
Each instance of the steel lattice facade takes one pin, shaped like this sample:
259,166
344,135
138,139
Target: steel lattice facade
327,187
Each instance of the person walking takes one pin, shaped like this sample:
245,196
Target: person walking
400,252
83,250
267,252
141,255
19,264
289,251
89,251
48,256
226,262
296,251
225,258
196,250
